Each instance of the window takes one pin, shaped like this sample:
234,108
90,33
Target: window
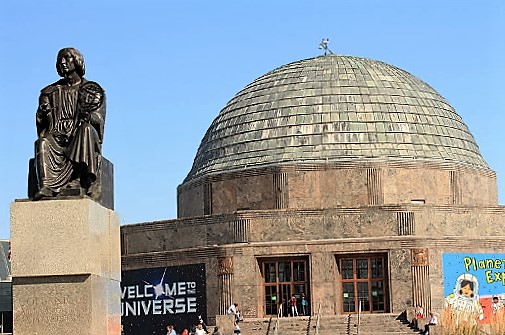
363,280
282,278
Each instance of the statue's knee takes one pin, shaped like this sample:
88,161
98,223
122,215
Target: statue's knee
41,143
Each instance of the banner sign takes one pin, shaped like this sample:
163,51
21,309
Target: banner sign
153,298
474,285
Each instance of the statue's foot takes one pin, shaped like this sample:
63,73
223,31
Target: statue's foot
44,192
74,184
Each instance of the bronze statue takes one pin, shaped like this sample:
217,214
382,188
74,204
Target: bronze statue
70,124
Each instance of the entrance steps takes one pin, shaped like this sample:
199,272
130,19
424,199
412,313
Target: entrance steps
370,324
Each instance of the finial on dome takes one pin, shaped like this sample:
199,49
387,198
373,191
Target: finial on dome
324,46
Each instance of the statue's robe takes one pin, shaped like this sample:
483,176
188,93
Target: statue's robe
69,146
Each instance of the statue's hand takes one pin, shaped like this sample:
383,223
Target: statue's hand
84,116
43,109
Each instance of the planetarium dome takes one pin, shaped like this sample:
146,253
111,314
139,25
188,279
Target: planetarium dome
335,108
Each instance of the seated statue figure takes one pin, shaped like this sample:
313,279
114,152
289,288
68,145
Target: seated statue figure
70,123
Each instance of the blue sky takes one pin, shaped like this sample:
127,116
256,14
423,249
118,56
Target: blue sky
169,67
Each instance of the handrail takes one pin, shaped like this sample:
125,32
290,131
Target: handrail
279,312
308,324
269,325
349,319
359,317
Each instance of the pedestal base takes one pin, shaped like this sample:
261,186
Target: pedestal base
66,268
81,304
226,323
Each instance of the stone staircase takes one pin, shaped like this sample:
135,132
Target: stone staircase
370,324
381,324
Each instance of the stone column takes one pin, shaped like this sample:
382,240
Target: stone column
421,290
224,321
66,268
225,283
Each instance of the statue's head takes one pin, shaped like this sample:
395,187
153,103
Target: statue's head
78,61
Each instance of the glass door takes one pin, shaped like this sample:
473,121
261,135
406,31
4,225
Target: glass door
283,278
363,282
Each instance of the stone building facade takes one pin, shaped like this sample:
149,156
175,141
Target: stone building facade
339,177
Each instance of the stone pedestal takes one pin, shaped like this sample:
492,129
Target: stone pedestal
66,268
226,323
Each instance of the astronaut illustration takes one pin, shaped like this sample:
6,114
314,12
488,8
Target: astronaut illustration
464,301
497,304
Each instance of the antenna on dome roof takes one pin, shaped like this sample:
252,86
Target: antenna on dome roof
324,46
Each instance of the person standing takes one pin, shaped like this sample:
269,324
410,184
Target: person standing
294,310
304,304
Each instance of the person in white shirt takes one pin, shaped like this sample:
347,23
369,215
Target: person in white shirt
199,330
170,330
433,322
233,310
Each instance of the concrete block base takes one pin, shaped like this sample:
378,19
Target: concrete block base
66,268
226,323
80,304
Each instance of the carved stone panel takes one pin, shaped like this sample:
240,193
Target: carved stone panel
420,257
225,265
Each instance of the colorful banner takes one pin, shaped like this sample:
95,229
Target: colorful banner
474,286
152,299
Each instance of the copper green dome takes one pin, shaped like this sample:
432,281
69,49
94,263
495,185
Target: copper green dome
334,108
